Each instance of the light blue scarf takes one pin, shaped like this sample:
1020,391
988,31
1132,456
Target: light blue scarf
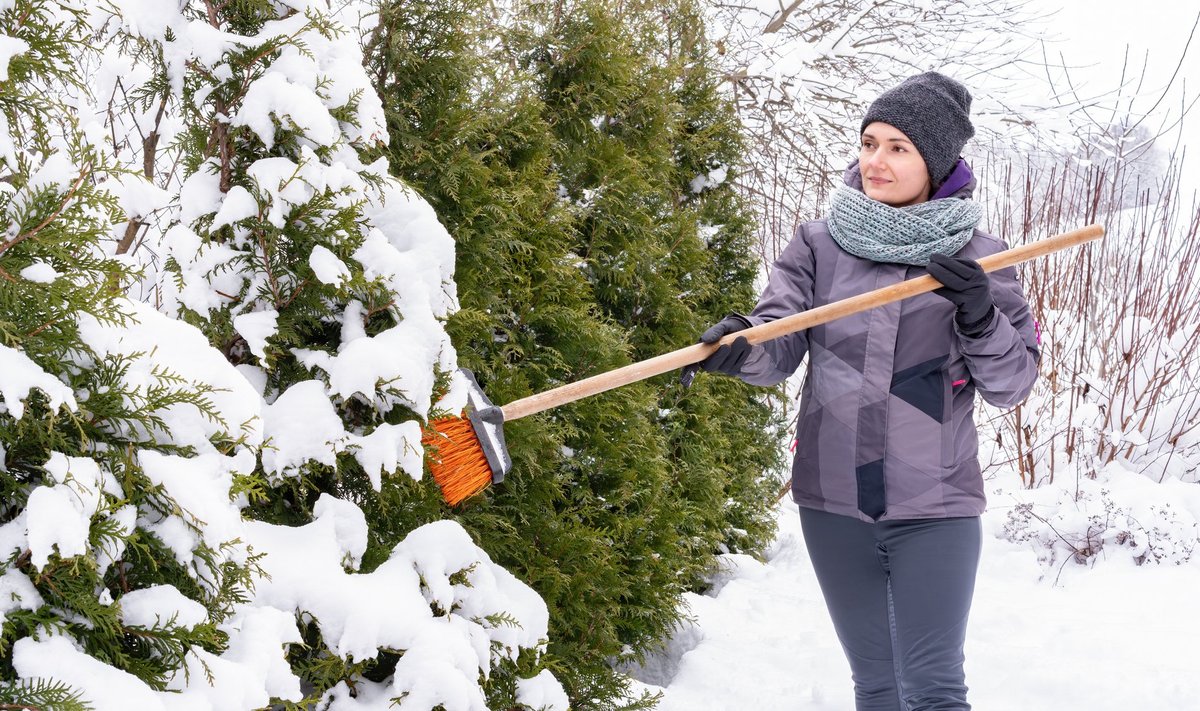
904,235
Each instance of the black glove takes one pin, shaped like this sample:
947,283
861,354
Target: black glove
966,286
728,358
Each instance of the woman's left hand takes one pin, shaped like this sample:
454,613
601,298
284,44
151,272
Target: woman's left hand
966,286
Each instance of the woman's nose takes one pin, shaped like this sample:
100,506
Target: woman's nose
876,160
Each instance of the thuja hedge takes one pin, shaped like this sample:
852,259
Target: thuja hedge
562,147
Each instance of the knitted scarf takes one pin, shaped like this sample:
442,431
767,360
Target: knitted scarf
905,235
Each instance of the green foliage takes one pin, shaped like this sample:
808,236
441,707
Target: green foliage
58,213
272,250
41,694
560,154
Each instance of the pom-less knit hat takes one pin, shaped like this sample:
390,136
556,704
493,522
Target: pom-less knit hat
934,111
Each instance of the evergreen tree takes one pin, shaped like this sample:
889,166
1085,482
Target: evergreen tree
577,167
81,545
322,279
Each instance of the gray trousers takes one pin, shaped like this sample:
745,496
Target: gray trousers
899,593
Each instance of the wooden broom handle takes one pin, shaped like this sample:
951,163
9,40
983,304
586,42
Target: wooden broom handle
790,324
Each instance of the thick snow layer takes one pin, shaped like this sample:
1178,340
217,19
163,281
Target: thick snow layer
17,593
237,205
147,18
158,343
286,183
209,277
58,516
158,605
40,272
104,687
389,448
328,268
251,671
424,250
394,606
272,98
138,197
200,487
58,522
19,375
302,426
256,327
542,692
399,361
200,193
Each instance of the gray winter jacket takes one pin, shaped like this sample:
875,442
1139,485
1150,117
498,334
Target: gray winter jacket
886,407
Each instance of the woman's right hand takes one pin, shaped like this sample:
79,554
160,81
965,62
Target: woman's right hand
727,359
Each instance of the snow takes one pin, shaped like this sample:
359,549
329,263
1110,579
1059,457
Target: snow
147,18
762,638
301,426
104,687
19,375
9,48
542,692
200,193
208,277
407,603
138,197
157,605
278,179
422,265
40,272
711,179
199,486
390,448
58,517
155,343
256,327
398,361
8,151
328,268
17,593
237,205
207,44
272,97
57,523
252,670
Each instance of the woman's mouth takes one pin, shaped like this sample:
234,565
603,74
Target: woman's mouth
878,181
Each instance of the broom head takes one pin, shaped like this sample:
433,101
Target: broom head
468,453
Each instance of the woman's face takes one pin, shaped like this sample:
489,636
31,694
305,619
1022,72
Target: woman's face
893,172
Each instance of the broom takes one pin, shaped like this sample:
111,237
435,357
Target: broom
468,453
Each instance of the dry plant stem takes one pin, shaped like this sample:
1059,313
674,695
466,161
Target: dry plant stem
149,156
1108,313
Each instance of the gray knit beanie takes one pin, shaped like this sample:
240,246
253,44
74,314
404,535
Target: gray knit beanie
934,111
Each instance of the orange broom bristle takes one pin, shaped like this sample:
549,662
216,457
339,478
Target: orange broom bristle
457,461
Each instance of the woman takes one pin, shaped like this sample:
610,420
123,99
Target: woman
886,468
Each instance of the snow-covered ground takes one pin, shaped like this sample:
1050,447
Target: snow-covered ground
1109,636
